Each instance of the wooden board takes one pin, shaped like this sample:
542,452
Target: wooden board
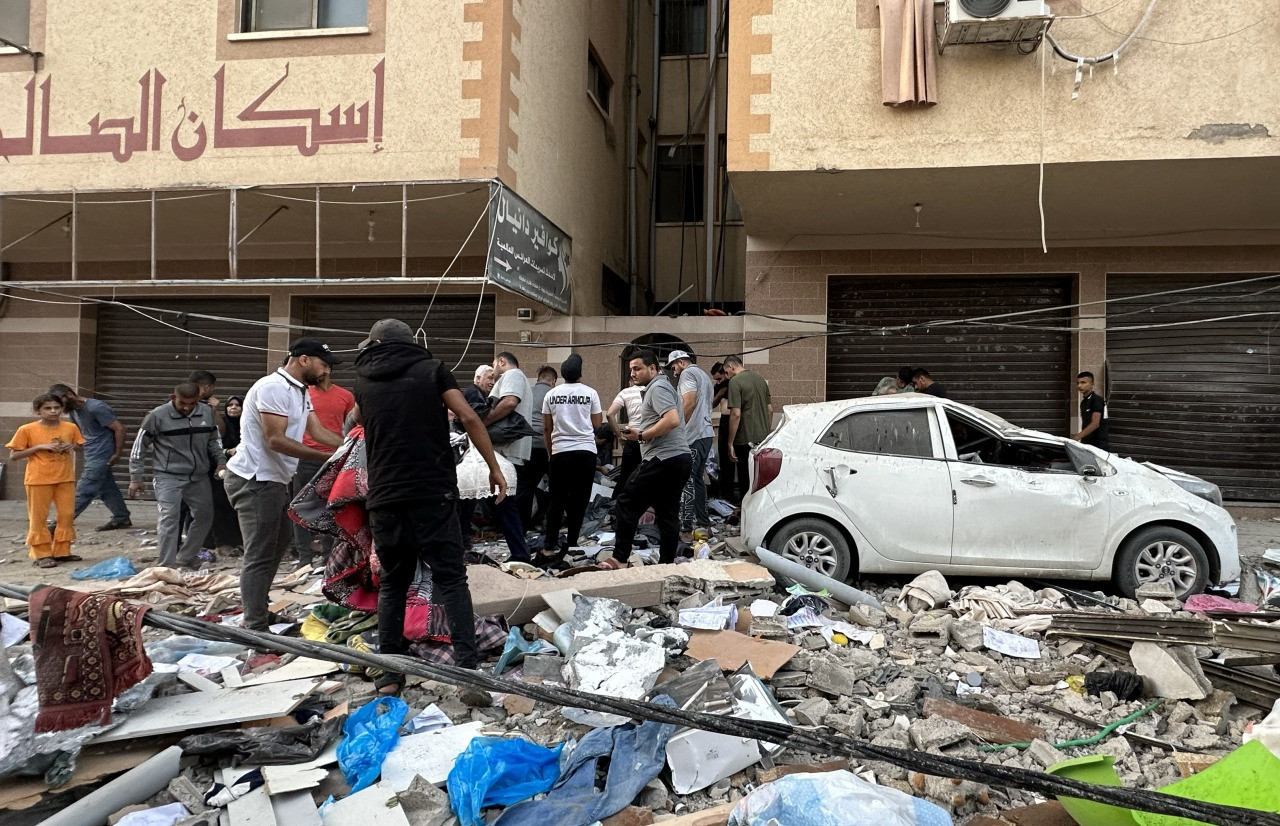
206,709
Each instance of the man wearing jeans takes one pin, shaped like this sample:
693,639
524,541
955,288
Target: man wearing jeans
276,413
512,394
403,398
696,392
664,464
103,446
186,449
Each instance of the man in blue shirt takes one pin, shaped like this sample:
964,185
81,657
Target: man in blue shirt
103,446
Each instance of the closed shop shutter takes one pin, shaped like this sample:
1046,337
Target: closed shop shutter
139,360
1203,398
1018,372
448,327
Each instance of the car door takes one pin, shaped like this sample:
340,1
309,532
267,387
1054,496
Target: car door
885,470
1017,517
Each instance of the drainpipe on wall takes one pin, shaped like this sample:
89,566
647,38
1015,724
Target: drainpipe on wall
633,101
712,145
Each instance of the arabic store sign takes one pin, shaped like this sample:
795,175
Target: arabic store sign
188,134
527,253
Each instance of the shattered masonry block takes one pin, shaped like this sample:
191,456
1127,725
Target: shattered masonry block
932,733
544,667
1171,672
931,629
771,628
829,676
967,634
812,711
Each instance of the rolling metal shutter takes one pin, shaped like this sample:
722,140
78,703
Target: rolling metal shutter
1203,398
139,360
1018,372
448,328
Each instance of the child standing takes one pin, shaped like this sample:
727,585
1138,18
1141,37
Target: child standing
46,444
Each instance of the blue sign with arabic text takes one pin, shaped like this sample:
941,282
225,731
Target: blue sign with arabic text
528,254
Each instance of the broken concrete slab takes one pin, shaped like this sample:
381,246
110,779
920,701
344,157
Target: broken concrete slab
377,805
494,592
200,710
429,755
989,727
830,676
424,804
1171,672
931,629
931,733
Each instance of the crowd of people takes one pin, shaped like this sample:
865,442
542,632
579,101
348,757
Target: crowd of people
228,475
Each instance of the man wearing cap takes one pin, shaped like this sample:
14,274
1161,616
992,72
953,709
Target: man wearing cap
696,391
403,398
276,414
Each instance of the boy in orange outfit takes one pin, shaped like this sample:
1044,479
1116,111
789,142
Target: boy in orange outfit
46,444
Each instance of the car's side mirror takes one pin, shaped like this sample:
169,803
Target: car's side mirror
1089,472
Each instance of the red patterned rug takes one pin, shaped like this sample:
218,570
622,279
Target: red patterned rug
88,649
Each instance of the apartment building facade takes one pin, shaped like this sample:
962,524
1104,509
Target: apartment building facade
874,229
216,176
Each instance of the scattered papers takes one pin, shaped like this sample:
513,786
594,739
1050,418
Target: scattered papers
1011,645
804,618
713,616
430,718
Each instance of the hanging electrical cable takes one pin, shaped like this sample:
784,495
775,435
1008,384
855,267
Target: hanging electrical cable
1111,55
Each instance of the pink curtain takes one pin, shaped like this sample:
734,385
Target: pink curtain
908,49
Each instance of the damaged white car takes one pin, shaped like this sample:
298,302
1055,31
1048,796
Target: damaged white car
910,483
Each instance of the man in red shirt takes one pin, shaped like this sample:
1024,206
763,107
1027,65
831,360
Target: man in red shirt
331,404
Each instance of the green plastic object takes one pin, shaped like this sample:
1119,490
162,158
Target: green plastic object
1248,777
1099,769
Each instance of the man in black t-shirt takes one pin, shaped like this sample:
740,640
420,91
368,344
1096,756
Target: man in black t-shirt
924,383
402,398
1093,414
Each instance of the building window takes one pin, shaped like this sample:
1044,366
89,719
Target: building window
682,27
286,15
15,22
680,183
599,84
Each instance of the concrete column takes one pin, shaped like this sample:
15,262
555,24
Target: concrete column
1090,351
278,337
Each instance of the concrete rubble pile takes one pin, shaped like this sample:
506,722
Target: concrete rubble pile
993,673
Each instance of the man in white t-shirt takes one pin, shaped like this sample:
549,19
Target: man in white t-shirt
696,391
276,413
629,399
570,415
512,394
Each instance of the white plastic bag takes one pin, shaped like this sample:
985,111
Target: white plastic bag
473,475
831,798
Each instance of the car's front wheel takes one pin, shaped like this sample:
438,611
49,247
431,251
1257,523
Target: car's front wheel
816,544
1162,553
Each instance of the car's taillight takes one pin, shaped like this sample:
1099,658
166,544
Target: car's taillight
768,465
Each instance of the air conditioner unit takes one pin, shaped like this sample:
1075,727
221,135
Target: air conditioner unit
968,22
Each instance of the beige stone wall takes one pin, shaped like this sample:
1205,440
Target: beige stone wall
793,284
95,55
570,157
805,79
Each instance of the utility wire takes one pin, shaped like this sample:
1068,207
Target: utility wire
826,742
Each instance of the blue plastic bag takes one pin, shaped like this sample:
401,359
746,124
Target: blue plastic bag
498,771
368,736
820,799
117,567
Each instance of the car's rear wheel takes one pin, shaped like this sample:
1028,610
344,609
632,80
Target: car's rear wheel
816,544
1162,553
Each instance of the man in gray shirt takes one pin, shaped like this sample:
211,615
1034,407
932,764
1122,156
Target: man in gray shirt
664,464
512,394
185,446
696,391
103,446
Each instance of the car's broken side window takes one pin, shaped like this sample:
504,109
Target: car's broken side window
893,432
